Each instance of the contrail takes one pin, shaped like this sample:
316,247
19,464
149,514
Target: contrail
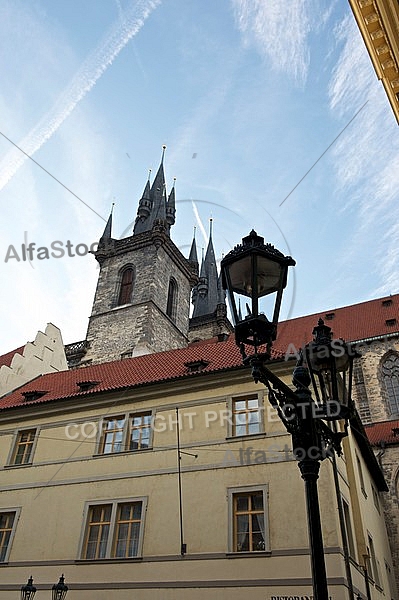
198,219
86,77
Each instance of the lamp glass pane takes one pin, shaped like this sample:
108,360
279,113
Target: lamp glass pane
269,275
241,276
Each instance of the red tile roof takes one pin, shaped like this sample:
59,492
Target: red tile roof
361,321
357,322
6,359
386,431
130,372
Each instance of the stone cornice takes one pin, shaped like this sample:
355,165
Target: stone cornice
378,21
156,237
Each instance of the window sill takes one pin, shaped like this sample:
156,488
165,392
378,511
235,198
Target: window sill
95,561
119,306
248,436
122,453
29,464
248,554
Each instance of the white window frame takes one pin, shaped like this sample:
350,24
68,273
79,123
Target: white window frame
361,476
376,498
114,509
127,416
230,406
231,492
17,512
350,534
12,452
373,562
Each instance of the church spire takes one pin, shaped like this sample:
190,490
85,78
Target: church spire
154,205
193,257
158,192
209,317
171,206
207,298
107,233
105,242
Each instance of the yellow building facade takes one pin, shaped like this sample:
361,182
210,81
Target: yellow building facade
90,485
155,468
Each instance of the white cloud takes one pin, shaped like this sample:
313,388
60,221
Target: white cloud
84,80
352,76
279,31
366,159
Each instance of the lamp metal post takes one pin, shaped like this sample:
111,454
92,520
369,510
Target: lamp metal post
253,270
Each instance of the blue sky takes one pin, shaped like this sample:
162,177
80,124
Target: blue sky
246,94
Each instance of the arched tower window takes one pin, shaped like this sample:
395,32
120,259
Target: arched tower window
171,306
126,287
390,377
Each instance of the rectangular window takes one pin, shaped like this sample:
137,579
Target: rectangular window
114,530
127,530
361,478
373,566
376,499
348,529
248,531
246,415
7,525
23,447
124,434
140,431
113,433
98,525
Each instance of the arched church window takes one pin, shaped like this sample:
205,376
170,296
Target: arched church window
171,306
390,377
126,287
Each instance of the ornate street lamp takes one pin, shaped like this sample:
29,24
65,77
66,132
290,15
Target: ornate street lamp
28,591
330,364
254,270
60,589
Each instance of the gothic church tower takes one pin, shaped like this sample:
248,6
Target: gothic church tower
141,303
209,316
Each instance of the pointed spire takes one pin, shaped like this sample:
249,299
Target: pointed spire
158,193
107,234
203,268
171,206
154,204
193,257
208,287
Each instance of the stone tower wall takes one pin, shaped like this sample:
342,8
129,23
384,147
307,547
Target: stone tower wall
371,401
141,326
369,393
389,460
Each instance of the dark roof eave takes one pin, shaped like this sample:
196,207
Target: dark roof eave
365,447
